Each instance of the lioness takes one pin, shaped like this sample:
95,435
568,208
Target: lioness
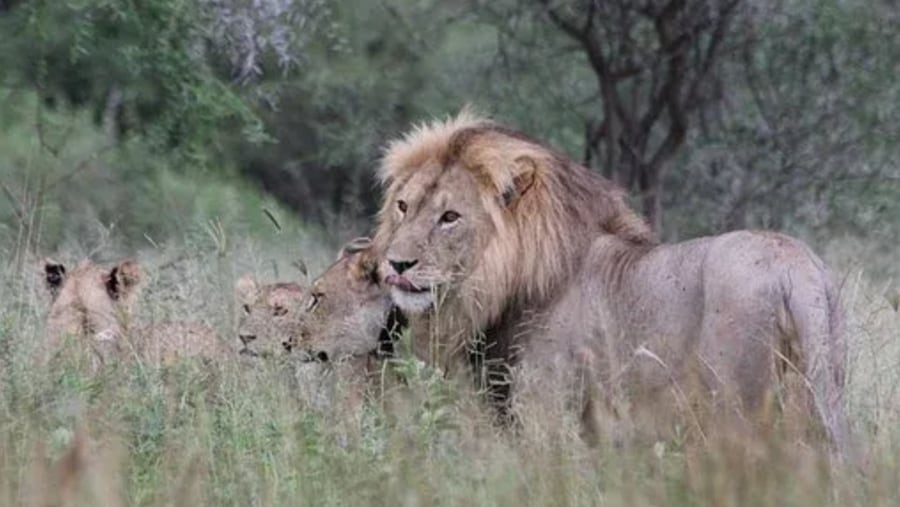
543,258
270,316
350,321
96,304
348,309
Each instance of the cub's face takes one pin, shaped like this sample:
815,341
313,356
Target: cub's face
91,301
269,316
435,230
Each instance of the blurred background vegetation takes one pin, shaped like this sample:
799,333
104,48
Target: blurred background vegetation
143,120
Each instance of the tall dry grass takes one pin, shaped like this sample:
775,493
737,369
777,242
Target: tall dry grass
239,434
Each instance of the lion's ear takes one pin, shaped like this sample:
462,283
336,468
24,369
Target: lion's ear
522,181
54,276
353,247
124,279
245,289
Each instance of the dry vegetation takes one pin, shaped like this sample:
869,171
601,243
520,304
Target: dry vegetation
244,434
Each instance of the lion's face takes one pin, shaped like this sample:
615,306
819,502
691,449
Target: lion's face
347,307
270,316
92,301
436,233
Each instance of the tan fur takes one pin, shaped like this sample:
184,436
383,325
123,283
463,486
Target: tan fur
88,472
348,307
269,316
546,259
95,305
346,318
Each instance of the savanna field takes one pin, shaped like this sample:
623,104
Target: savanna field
211,140
244,433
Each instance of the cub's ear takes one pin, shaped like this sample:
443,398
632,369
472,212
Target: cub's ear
521,183
357,245
124,279
245,289
54,275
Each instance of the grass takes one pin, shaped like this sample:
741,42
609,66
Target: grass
235,434
238,434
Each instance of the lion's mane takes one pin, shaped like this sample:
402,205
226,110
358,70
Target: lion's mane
540,240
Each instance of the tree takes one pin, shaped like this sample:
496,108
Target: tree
177,72
655,64
806,127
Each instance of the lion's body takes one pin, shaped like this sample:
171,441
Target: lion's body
487,232
729,315
95,306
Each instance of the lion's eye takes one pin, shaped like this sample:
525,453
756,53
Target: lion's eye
401,205
279,310
449,217
247,309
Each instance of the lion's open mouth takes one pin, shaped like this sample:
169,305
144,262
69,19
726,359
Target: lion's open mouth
404,284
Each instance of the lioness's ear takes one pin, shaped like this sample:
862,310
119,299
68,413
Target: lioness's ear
54,276
522,181
245,289
364,268
355,246
124,279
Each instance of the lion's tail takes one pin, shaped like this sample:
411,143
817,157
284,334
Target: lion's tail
818,318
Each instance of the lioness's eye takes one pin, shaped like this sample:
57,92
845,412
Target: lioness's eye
449,217
278,311
401,205
313,301
247,309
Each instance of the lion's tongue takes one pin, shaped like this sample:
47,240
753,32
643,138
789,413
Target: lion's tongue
401,283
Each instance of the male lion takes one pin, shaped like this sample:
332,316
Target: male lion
270,316
544,260
96,304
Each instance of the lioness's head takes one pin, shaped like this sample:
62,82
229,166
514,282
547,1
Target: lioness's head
91,301
347,308
270,316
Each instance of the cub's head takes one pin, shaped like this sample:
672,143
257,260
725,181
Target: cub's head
91,301
347,308
270,316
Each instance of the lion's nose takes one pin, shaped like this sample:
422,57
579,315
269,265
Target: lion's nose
401,266
247,338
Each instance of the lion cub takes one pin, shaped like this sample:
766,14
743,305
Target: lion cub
96,304
270,315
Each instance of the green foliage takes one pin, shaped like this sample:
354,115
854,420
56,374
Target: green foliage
144,63
87,193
